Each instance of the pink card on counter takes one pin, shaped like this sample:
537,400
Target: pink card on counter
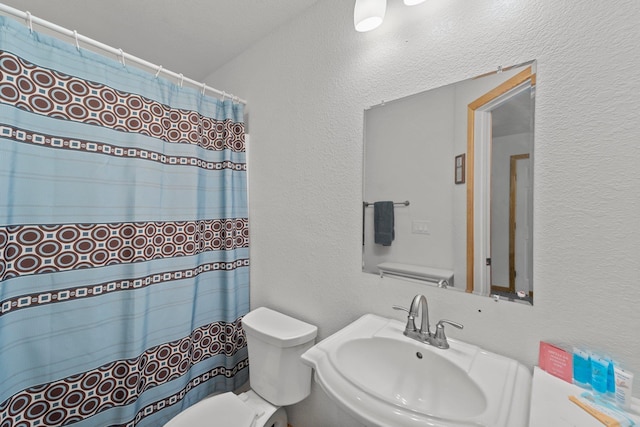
556,361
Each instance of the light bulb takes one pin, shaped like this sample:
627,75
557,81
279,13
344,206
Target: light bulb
369,14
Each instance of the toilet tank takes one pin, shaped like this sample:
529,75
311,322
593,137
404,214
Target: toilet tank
276,342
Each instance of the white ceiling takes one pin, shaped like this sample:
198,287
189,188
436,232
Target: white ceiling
192,37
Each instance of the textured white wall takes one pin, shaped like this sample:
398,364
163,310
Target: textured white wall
307,85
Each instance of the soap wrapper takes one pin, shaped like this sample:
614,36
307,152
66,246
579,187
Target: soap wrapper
624,383
603,411
599,373
555,361
581,368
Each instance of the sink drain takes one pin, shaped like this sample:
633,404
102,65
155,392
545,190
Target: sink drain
419,355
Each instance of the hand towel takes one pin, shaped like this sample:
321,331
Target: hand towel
383,223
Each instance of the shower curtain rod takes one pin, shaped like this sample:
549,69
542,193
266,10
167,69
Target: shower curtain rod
30,20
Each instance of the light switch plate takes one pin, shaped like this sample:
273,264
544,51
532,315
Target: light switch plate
420,227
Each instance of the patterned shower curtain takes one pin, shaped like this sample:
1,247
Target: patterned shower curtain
123,239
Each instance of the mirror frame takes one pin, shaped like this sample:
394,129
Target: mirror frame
506,86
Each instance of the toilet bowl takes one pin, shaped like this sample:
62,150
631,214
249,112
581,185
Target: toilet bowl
228,409
277,376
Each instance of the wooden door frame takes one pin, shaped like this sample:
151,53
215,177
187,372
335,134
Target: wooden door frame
513,168
506,86
512,217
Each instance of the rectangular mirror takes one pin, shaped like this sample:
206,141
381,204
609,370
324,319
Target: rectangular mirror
448,185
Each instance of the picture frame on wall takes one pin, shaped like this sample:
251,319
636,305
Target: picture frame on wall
460,169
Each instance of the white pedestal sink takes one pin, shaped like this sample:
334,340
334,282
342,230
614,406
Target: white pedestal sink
385,379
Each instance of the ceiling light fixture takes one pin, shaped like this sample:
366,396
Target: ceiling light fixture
369,14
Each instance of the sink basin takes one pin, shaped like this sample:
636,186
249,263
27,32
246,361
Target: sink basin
410,377
386,379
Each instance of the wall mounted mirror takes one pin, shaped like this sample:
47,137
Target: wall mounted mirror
448,185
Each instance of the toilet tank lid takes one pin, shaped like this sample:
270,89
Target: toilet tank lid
277,328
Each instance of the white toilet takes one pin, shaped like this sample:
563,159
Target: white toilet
277,376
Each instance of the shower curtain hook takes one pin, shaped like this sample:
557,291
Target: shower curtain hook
122,57
29,21
181,80
75,35
224,94
158,72
204,88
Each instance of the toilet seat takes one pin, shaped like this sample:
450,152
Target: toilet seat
227,409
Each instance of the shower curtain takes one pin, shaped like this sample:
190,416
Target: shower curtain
124,251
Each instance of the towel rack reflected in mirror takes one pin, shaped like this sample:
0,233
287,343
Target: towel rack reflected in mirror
405,203
367,204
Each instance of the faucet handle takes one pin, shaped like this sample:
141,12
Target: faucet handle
399,307
457,325
440,339
411,324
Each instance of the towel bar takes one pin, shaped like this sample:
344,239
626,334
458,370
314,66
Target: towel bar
405,203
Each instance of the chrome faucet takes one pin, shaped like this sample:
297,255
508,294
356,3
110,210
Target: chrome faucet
438,339
443,283
424,333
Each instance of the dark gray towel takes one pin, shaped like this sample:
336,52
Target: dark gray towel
383,223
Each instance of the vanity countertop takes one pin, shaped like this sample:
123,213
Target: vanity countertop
550,404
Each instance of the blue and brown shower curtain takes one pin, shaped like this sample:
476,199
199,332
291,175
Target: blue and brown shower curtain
123,239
